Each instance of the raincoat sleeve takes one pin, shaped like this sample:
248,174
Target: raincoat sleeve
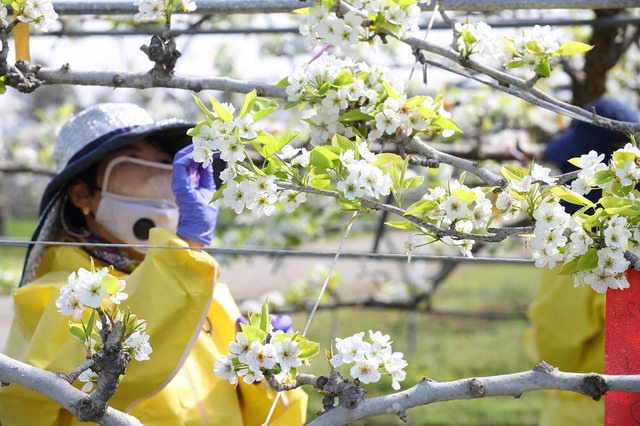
171,289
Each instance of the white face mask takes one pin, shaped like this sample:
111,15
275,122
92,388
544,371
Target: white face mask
129,218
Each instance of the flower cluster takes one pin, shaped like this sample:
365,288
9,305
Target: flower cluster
362,177
459,207
155,10
363,20
40,12
88,290
258,350
478,38
353,98
368,358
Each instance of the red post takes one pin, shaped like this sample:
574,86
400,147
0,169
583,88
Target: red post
622,350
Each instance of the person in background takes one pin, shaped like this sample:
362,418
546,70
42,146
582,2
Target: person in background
568,324
124,178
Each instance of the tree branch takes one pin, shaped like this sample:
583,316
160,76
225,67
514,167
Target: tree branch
51,386
427,391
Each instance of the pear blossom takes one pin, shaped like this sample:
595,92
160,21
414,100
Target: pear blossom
137,344
290,200
88,377
240,347
225,369
287,354
366,371
260,356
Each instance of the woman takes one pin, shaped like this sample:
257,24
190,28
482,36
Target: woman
123,178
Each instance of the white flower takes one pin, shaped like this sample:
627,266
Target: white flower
377,337
227,174
395,14
548,238
629,174
580,242
89,288
245,127
393,361
616,236
139,347
303,159
350,188
3,17
68,303
592,159
387,121
363,150
237,195
542,174
397,376
550,215
290,200
505,201
581,185
409,247
232,150
225,369
262,203
350,349
249,376
149,9
261,356
523,186
548,257
454,207
88,377
287,354
240,347
366,371
612,261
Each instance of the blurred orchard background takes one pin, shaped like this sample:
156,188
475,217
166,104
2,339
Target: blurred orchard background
452,319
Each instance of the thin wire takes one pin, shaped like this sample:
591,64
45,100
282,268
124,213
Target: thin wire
433,18
315,307
250,251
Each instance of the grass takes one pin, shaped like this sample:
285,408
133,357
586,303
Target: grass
12,258
450,348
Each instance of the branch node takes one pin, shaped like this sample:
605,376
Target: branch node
65,67
545,368
403,415
594,385
476,387
117,80
162,50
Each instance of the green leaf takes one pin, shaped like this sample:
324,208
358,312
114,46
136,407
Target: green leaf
276,145
218,194
252,332
91,323
204,108
445,124
320,156
248,103
532,46
515,64
222,112
575,161
355,115
406,3
342,142
514,173
570,267
290,104
343,78
603,176
194,131
307,347
573,48
284,82
412,182
420,207
414,101
392,93
321,182
588,261
265,319
112,283
468,37
403,224
465,195
77,332
3,87
543,68
568,195
620,158
302,10
387,157
427,112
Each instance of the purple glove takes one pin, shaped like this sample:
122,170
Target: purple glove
193,187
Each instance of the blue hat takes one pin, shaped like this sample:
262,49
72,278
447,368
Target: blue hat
83,141
583,137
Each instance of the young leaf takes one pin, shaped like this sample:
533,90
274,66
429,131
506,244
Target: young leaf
218,194
343,78
320,156
222,112
403,224
392,93
204,108
91,323
355,115
276,145
77,332
572,48
588,261
307,347
421,206
284,82
570,268
543,68
248,103
414,101
341,142
112,283
445,124
252,332
265,319
568,195
302,11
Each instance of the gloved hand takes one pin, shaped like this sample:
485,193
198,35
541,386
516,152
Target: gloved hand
193,187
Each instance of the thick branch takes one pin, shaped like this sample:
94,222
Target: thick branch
64,75
51,386
428,391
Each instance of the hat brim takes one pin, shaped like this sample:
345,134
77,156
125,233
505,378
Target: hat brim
170,134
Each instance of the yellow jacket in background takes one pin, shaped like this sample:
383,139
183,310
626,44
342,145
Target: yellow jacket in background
568,328
189,325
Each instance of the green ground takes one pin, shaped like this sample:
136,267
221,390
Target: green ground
448,348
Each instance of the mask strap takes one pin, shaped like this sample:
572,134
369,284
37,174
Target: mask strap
63,222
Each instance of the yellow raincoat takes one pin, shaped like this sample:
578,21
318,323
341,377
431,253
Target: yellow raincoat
190,327
568,327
